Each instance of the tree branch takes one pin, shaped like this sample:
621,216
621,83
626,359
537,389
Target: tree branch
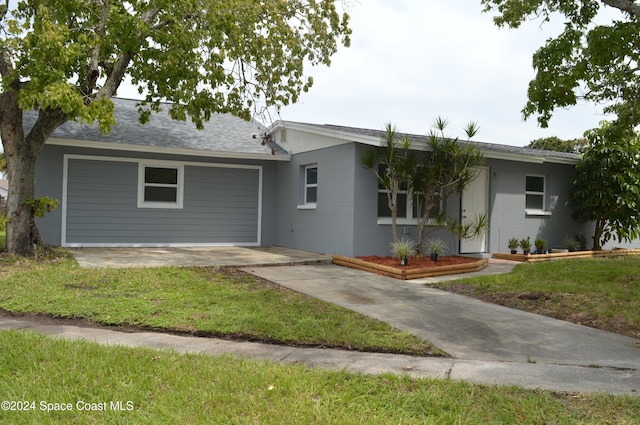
625,5
119,68
94,71
48,120
116,76
6,67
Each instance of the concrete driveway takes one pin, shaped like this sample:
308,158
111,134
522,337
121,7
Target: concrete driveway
194,256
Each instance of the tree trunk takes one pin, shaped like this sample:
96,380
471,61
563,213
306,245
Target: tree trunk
21,162
21,152
597,236
20,225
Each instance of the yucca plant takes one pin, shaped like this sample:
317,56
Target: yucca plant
436,247
403,249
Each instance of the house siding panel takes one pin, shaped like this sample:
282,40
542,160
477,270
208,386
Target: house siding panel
221,206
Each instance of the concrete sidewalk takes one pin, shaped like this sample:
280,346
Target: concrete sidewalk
527,375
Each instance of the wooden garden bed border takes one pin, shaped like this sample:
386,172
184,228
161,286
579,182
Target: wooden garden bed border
404,274
536,258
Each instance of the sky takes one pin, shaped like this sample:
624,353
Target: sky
411,61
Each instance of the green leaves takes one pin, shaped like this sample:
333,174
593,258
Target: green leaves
606,187
588,62
556,144
208,55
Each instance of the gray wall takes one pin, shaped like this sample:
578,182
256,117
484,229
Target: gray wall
329,227
103,186
345,221
507,204
372,238
345,188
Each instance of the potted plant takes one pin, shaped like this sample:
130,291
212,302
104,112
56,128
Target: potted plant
581,243
513,245
403,249
571,244
436,247
525,244
541,246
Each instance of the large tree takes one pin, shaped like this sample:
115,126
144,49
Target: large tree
557,144
67,58
606,189
588,61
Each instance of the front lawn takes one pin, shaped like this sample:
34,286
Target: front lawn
203,301
113,384
603,293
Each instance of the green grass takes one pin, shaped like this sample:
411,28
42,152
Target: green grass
603,293
202,301
167,388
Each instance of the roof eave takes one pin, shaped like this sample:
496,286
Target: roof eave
317,129
349,137
162,150
535,159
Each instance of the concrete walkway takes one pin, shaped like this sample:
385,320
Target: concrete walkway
490,344
464,327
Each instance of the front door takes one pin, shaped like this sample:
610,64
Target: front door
475,202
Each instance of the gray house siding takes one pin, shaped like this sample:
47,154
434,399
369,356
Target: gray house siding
327,228
372,238
220,207
509,218
345,218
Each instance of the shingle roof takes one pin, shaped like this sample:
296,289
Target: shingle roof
485,147
481,145
222,133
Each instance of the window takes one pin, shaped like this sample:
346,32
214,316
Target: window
535,195
311,184
408,205
310,189
160,186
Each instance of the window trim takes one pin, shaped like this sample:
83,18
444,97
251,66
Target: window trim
535,211
179,185
306,205
409,219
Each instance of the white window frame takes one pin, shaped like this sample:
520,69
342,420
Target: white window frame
409,219
142,203
306,205
543,194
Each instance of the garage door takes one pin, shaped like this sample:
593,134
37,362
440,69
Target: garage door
220,204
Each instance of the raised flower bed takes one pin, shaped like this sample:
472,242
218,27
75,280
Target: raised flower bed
535,258
427,268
